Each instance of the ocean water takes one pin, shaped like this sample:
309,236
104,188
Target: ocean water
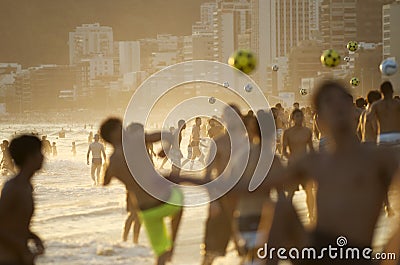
82,224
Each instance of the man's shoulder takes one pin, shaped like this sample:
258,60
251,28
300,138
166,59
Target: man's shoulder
11,187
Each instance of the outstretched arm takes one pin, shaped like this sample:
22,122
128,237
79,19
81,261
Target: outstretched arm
87,155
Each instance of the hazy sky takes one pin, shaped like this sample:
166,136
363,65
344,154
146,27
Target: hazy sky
35,32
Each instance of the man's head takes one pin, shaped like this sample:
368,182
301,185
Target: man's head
181,124
111,131
387,89
198,121
296,105
360,103
334,106
96,137
373,95
278,106
297,117
26,150
5,143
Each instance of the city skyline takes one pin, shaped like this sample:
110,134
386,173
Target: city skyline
290,34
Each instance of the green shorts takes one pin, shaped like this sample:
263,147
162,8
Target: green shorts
153,221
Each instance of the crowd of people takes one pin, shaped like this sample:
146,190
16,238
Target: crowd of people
344,155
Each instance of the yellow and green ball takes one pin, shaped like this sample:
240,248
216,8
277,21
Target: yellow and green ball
354,81
352,46
243,60
330,58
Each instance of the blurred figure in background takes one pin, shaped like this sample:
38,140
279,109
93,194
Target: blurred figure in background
90,137
97,150
73,150
296,140
6,164
47,149
54,149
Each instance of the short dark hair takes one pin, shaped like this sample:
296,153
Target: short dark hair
360,102
326,86
295,111
373,95
22,147
108,126
296,103
386,88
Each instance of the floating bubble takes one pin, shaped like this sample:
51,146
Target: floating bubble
212,100
248,88
226,84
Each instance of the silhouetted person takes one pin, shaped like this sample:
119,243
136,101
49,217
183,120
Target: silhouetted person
17,205
97,150
54,149
46,145
73,150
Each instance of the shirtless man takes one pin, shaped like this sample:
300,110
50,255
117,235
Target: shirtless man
297,139
280,125
387,113
175,153
367,125
350,190
195,142
220,213
17,205
97,150
152,211
321,134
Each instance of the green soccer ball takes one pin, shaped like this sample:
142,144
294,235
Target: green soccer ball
330,58
243,60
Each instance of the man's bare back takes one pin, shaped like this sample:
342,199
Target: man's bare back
119,169
387,113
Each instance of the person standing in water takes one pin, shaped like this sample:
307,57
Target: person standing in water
97,150
54,149
7,163
17,204
73,149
